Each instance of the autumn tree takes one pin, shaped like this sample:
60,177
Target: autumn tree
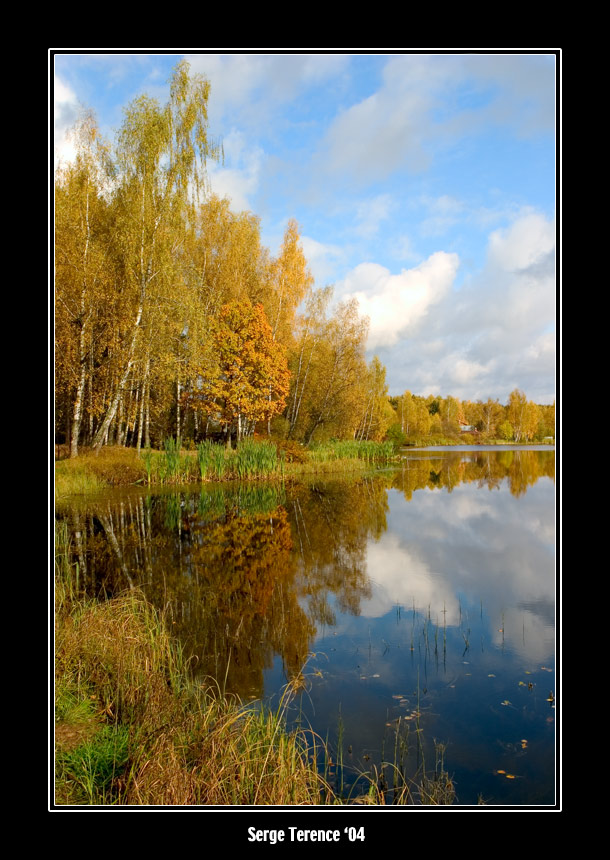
249,382
227,261
376,412
291,281
451,414
523,415
309,333
492,415
334,393
161,158
546,421
82,272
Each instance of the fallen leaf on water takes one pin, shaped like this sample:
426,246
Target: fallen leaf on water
522,684
505,702
491,676
398,697
510,776
500,771
374,676
523,744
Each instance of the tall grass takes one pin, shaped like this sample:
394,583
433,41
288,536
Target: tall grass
132,727
256,458
352,450
204,458
252,459
159,739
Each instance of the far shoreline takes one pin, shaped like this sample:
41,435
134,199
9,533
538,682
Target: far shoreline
509,447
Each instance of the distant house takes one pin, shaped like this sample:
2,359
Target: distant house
467,428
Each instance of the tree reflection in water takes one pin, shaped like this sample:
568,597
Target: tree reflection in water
250,573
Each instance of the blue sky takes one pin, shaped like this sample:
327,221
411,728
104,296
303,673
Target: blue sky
423,184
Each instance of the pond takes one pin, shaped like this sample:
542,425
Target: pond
414,608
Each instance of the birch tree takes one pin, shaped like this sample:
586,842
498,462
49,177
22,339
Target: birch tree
161,158
82,271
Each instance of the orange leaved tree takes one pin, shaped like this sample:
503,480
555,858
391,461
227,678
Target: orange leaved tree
250,382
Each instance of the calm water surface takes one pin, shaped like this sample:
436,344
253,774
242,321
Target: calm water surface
415,607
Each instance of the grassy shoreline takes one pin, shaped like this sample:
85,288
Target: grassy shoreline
133,728
92,472
251,460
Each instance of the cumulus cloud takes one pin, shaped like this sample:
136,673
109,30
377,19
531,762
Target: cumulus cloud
495,333
396,304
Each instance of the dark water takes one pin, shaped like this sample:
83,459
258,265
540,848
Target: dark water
416,607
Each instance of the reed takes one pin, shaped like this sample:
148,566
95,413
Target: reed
219,461
172,459
353,450
256,458
204,458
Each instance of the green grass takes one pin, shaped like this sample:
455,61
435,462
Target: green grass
352,450
252,459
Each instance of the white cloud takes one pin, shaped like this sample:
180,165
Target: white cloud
240,181
378,135
247,87
417,110
400,576
496,332
396,304
65,109
322,259
529,240
465,372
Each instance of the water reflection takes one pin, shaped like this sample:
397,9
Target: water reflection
252,572
415,576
